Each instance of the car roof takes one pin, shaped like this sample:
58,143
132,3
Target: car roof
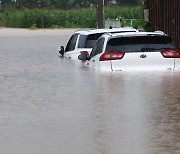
137,33
106,30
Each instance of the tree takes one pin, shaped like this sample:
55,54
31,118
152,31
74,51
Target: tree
45,3
85,3
68,4
65,4
127,2
6,2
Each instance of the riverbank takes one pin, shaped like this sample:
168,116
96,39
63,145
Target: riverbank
10,32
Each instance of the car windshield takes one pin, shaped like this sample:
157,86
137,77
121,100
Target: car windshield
88,41
140,43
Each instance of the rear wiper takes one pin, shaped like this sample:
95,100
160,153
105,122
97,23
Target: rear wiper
148,49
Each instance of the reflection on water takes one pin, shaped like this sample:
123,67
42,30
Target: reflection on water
50,104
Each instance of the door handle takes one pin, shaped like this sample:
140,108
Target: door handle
143,56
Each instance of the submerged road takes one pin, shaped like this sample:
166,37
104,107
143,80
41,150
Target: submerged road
54,105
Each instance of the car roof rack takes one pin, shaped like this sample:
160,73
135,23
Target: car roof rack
160,32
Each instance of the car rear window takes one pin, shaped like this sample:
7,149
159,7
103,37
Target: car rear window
138,43
88,41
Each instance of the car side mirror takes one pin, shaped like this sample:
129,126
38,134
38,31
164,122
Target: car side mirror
61,50
83,56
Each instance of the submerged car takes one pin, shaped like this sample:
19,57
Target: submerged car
84,40
133,51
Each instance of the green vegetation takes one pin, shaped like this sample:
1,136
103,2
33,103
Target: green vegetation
130,15
77,18
43,18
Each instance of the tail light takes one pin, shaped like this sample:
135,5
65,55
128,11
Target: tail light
172,53
111,56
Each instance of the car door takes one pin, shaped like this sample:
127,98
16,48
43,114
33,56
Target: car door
95,55
71,48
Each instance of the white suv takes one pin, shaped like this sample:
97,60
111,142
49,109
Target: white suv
133,51
84,40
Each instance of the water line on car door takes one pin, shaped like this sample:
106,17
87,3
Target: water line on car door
111,65
174,65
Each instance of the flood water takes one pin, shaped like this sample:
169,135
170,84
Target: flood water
54,105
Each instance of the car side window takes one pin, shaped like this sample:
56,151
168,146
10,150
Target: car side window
98,47
71,43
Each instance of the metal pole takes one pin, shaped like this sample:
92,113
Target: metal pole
100,13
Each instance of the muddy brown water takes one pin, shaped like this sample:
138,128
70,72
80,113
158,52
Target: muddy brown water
53,105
